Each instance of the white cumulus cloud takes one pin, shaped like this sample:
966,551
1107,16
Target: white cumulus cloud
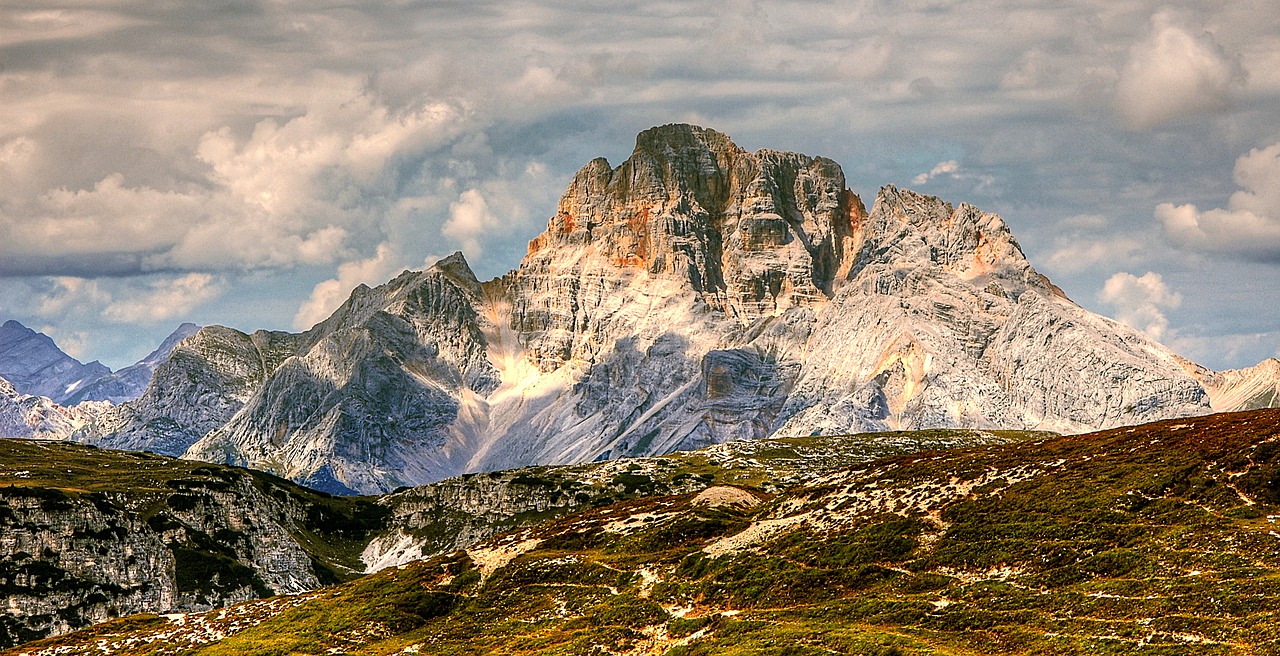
148,300
165,299
469,219
328,295
1250,224
1175,73
943,168
1140,301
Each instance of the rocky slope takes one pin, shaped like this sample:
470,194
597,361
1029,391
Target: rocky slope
90,534
87,535
1153,539
695,294
456,513
1245,389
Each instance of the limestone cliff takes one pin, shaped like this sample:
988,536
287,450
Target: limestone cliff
88,535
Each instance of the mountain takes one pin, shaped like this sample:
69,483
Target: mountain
23,415
130,382
695,294
34,365
1157,538
34,358
1245,389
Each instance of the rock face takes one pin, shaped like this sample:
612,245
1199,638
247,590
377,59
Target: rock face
695,294
122,533
1244,389
34,365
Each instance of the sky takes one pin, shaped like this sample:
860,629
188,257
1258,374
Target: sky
248,162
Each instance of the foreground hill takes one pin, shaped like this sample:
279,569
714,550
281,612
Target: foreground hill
1154,539
91,534
694,294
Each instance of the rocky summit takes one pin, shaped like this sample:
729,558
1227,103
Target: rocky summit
694,294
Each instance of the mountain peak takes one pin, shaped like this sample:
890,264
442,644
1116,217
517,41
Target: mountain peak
34,364
751,234
695,293
909,227
677,137
457,269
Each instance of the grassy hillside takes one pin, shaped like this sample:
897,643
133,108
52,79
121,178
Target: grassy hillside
1157,539
88,535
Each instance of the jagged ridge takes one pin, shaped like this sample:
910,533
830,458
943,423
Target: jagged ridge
695,294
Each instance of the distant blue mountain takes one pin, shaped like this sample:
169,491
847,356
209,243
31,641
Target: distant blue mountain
34,365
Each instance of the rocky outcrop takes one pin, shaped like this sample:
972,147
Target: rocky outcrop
697,293
117,533
456,513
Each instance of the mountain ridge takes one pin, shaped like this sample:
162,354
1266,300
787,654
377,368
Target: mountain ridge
80,404
694,294
34,364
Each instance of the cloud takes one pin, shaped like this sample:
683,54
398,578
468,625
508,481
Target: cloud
148,301
268,141
327,296
1236,350
947,167
469,218
1249,227
1085,253
288,192
867,60
1140,301
1174,74
165,299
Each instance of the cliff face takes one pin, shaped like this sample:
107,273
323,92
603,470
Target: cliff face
88,535
746,235
696,293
